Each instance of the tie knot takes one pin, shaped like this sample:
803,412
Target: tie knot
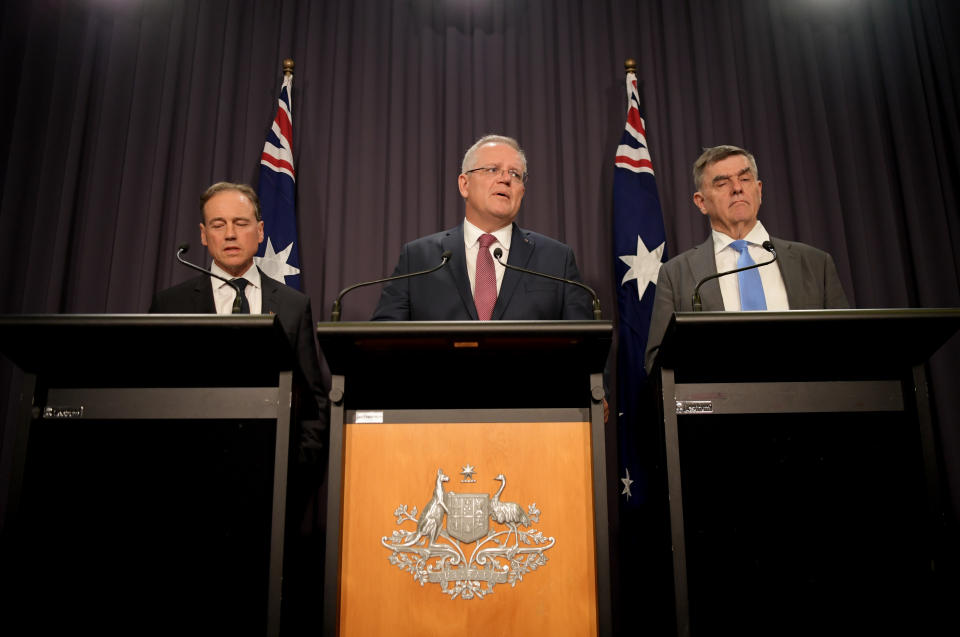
739,245
487,240
240,283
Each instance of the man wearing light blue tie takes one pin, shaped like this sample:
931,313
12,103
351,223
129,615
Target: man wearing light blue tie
729,193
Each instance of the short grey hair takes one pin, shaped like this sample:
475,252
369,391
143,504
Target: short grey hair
468,157
719,153
222,186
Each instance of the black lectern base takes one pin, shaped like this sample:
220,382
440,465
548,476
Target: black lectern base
122,531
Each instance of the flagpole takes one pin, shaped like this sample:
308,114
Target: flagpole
630,66
287,67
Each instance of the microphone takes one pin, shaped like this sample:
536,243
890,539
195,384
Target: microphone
698,306
183,248
335,310
498,253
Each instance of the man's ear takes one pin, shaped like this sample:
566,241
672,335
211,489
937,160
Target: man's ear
462,183
698,202
203,235
260,231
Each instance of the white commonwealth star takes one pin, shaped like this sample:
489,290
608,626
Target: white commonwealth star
644,266
274,264
626,484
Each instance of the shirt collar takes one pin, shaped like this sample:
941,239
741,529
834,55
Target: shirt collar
252,275
756,236
471,235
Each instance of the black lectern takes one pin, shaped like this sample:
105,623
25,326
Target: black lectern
802,470
149,476
467,406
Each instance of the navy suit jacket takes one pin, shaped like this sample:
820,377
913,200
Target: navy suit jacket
445,295
809,276
195,296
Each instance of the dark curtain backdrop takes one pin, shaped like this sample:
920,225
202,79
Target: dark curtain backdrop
116,115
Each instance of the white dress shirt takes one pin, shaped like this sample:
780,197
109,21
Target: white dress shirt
471,242
224,294
774,290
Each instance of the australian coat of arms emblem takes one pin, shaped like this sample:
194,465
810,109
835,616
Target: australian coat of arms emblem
505,549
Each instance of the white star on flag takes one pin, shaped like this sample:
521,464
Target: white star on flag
626,484
644,266
274,264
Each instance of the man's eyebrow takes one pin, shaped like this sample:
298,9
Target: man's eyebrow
722,177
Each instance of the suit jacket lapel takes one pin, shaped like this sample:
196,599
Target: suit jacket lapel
789,263
203,296
457,268
521,251
269,304
703,263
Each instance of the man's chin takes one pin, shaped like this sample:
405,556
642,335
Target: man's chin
235,266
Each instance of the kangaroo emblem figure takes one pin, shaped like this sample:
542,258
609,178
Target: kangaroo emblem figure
431,520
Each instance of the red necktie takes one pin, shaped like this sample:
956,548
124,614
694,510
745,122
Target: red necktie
485,281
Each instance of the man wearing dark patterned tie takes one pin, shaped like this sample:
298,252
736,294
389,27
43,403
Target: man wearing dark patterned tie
231,229
473,286
729,193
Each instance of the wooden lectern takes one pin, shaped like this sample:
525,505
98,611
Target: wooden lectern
802,470
467,485
149,479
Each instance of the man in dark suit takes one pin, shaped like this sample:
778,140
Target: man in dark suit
729,194
473,286
232,229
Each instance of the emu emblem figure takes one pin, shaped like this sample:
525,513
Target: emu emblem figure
508,513
431,520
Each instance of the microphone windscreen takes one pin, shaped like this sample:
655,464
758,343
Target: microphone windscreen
497,253
183,248
768,246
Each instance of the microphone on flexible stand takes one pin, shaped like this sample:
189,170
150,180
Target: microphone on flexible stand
498,253
183,248
335,310
698,306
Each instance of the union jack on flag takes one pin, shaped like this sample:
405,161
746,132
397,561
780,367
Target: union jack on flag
639,240
278,256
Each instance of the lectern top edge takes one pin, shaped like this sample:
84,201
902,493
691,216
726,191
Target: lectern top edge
106,320
456,327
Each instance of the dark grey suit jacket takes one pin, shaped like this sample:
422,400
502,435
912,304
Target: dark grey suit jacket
445,295
195,296
809,275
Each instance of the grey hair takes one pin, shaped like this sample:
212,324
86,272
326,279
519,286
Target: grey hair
222,186
468,157
719,153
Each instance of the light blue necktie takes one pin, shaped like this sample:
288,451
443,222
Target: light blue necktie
751,289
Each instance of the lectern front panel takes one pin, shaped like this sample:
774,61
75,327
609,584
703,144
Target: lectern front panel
453,527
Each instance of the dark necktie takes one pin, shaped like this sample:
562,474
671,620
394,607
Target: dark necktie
244,304
485,280
751,289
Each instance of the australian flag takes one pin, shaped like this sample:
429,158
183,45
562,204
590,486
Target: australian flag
279,257
639,243
639,248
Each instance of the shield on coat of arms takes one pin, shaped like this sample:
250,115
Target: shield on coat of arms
468,515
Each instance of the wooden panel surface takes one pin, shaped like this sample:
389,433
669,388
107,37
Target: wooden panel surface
388,465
